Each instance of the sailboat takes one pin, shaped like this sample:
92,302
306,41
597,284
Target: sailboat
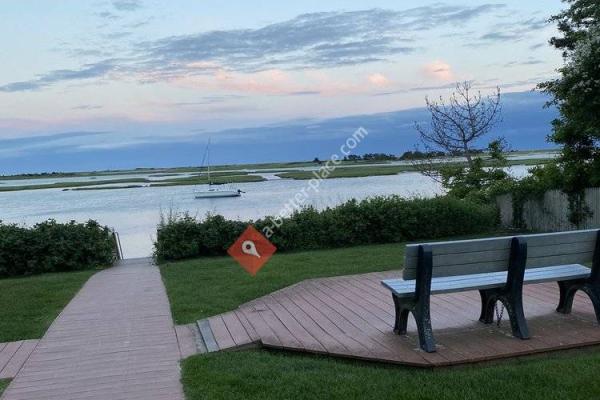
214,192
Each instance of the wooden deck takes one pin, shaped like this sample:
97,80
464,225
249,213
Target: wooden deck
352,316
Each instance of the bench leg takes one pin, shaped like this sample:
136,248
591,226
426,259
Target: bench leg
488,300
422,317
518,323
568,289
401,316
514,308
567,293
594,293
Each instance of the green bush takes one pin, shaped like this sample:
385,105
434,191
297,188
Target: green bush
372,221
53,247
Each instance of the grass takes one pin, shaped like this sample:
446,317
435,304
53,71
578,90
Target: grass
351,172
382,170
83,189
61,185
203,180
268,375
132,183
3,384
30,304
204,287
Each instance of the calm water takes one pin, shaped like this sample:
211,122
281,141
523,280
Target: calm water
134,213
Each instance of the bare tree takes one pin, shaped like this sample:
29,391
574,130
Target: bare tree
457,124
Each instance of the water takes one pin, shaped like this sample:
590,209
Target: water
135,213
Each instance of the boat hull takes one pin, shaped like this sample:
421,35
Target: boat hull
217,194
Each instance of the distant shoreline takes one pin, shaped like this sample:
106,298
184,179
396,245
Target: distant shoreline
226,174
166,171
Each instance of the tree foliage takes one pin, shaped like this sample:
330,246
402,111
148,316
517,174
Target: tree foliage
576,93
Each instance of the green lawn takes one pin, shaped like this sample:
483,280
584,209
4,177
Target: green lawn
382,170
3,384
351,172
265,375
29,305
205,287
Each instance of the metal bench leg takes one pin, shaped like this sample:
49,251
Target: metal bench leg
514,307
567,294
423,319
593,292
488,300
401,316
512,295
568,289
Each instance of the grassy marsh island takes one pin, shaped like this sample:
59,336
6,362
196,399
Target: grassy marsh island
223,174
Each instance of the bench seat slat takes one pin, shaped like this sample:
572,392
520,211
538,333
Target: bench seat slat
532,272
460,283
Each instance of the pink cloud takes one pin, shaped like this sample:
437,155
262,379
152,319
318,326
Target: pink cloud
279,82
379,80
439,70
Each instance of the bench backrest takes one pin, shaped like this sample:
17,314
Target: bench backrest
465,257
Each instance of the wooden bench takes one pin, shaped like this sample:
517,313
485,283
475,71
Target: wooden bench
498,268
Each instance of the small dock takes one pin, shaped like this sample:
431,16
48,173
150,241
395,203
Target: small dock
353,317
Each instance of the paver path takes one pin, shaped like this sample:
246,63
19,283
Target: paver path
13,355
115,340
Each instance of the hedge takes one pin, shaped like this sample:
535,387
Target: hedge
54,247
375,220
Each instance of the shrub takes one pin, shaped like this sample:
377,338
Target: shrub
53,247
375,220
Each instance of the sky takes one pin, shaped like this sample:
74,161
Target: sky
80,76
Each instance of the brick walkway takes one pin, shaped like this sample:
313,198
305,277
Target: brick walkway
115,340
13,355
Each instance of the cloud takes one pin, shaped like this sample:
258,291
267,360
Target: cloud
108,15
118,35
17,146
88,71
438,70
512,32
127,5
537,46
304,93
207,100
522,63
379,80
308,41
316,40
87,107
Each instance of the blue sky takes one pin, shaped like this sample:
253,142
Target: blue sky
82,75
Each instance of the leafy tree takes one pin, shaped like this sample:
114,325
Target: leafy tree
576,93
480,180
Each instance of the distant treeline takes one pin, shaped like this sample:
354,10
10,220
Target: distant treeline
406,156
43,175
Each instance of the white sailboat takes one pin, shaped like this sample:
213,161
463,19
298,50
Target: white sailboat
215,192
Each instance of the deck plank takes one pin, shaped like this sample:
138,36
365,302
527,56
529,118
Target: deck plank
221,333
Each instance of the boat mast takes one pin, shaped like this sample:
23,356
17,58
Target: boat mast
208,162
